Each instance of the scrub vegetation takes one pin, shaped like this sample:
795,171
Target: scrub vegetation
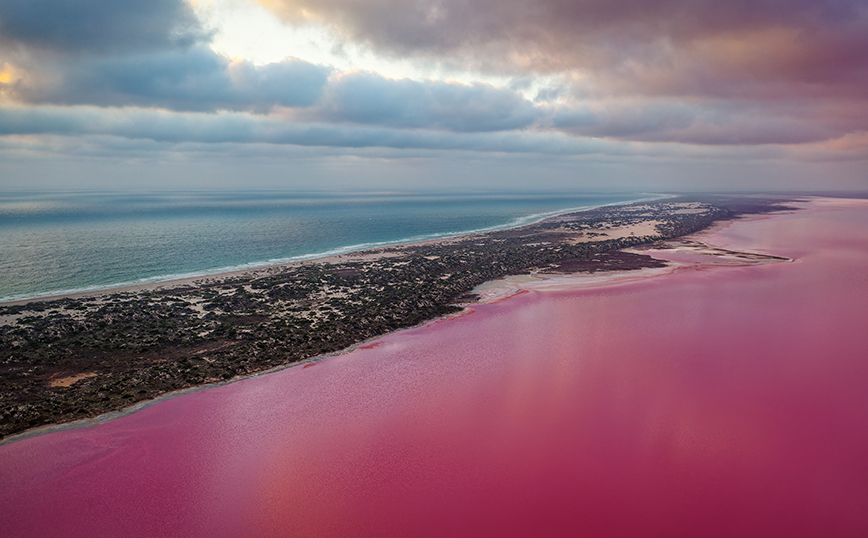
73,358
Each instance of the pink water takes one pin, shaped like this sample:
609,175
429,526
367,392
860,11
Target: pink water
724,401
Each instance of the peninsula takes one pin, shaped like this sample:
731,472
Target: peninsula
76,357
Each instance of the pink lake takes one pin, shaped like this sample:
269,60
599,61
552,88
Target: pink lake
711,401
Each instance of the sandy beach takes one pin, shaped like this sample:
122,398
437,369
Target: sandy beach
641,229
690,252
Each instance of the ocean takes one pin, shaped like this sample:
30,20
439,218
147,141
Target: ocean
62,242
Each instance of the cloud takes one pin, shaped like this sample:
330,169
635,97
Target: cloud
233,129
155,54
100,26
176,127
624,120
192,79
197,79
667,47
368,98
144,54
705,123
714,73
672,71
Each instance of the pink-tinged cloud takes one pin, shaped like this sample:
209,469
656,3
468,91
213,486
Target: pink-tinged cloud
669,46
791,64
737,73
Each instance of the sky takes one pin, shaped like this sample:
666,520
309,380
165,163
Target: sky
410,95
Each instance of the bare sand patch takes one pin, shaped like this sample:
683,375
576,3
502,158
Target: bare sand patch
70,379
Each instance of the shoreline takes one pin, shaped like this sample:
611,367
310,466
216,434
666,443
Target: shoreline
490,292
734,375
74,363
144,404
266,268
703,254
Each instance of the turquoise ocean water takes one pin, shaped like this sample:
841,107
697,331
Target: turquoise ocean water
62,242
